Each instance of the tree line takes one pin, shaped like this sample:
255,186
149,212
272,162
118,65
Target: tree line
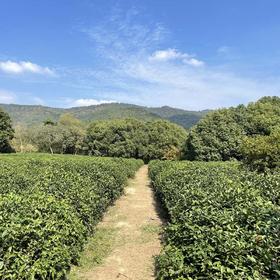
129,138
250,133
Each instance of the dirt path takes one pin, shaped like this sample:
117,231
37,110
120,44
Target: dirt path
137,237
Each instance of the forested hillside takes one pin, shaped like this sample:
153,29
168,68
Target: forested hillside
36,114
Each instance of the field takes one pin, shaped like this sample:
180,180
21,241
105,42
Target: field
49,205
224,221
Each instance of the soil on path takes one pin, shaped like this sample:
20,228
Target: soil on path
138,223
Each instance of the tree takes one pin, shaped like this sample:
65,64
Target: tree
263,116
23,139
49,138
216,137
115,138
165,140
74,134
64,137
6,132
219,135
262,152
134,138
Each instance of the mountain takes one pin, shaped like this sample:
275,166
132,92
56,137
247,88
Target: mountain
36,114
182,117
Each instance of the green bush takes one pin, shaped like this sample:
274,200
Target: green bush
48,207
262,152
39,236
224,221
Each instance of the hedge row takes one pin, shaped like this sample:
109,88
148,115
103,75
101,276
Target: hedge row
224,221
48,207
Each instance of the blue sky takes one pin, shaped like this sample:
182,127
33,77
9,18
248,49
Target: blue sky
192,54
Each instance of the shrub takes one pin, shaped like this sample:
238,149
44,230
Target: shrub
224,222
48,207
39,236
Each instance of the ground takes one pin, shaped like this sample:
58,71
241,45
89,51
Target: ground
128,238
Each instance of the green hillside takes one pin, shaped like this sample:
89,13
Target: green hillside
35,114
179,116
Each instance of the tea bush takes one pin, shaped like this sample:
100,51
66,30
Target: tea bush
224,221
48,207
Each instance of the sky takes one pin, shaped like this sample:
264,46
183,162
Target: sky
190,54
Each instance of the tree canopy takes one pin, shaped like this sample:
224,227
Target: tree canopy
262,152
220,134
133,138
6,132
65,136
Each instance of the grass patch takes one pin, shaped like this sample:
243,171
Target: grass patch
97,249
148,232
151,228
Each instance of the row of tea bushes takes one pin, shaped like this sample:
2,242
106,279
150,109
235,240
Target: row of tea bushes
224,221
48,207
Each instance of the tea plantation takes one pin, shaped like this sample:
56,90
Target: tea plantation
224,221
49,205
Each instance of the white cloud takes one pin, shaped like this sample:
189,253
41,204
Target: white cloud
7,97
173,54
88,102
193,62
21,67
139,70
165,55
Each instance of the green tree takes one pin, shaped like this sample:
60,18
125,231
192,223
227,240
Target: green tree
263,116
116,138
64,137
6,132
73,134
262,152
133,138
49,138
219,135
164,140
216,137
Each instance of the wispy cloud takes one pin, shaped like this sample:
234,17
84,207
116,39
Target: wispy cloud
137,66
21,67
88,102
7,97
173,54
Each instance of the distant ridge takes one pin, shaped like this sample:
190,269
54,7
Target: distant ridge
36,114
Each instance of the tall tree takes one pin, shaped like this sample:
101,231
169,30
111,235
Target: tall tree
6,132
219,135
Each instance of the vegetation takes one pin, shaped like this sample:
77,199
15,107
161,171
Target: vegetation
48,207
97,248
219,136
224,219
33,115
129,138
64,137
137,139
6,132
224,222
262,152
